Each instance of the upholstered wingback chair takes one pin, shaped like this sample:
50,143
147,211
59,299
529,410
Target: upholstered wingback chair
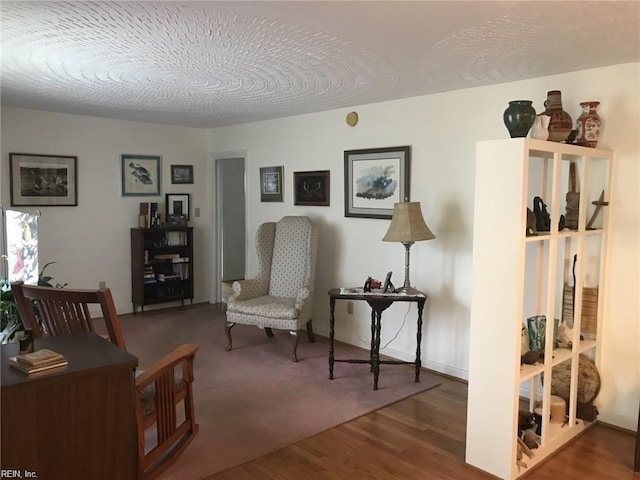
280,296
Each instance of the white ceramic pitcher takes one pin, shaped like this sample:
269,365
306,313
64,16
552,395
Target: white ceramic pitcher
540,127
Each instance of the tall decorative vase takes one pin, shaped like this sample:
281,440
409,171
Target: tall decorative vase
588,125
519,117
560,123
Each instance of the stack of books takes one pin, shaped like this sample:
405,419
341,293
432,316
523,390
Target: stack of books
149,275
38,361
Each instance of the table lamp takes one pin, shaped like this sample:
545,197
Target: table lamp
407,227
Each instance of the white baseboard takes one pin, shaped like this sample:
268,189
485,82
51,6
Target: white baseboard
429,364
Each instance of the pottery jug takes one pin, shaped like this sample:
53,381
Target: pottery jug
560,123
519,117
588,125
540,128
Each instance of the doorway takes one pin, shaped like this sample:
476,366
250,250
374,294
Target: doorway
230,173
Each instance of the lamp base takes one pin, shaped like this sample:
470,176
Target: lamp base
408,291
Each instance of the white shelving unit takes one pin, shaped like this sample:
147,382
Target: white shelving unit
516,276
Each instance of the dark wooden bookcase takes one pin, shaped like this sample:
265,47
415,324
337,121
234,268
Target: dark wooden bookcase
161,265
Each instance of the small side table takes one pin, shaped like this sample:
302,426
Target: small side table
378,302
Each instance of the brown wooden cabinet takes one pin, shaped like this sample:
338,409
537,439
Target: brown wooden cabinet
75,423
161,265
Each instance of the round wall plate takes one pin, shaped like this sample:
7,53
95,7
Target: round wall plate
352,119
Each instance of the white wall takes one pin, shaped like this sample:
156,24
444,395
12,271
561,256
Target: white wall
442,130
91,242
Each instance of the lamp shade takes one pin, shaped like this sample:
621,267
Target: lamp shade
407,224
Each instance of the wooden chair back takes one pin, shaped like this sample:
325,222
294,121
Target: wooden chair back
62,311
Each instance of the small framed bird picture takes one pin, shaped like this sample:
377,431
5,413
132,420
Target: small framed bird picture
140,175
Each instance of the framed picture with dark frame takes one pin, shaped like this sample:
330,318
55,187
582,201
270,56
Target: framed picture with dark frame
181,173
177,204
374,180
311,188
43,180
140,175
271,184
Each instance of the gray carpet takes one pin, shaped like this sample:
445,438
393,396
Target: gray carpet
254,400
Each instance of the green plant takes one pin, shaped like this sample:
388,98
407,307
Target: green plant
45,281
10,321
9,318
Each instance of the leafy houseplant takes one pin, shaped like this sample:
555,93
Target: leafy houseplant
10,321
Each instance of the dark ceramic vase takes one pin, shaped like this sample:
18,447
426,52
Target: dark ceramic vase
519,117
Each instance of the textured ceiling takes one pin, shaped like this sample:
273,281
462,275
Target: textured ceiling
209,64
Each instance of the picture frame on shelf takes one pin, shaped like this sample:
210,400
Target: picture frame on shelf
312,188
182,174
376,179
271,184
140,175
177,204
43,180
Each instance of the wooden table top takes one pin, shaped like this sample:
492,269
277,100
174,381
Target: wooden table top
86,352
358,294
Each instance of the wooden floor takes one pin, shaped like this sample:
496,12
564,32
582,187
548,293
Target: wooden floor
423,438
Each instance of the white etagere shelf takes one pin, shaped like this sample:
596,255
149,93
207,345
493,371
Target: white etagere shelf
516,276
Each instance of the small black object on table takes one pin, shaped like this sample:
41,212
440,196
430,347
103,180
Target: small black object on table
378,302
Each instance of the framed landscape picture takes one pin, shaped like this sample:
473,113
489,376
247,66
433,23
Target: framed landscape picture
140,175
375,179
40,180
311,188
181,173
271,187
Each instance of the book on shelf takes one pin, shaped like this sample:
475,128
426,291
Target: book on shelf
148,210
43,356
153,211
180,260
178,237
166,256
145,212
163,277
182,269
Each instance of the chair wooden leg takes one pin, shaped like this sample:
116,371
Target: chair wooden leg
268,331
227,331
294,345
310,334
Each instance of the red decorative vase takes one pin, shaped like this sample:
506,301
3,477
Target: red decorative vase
560,123
588,125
